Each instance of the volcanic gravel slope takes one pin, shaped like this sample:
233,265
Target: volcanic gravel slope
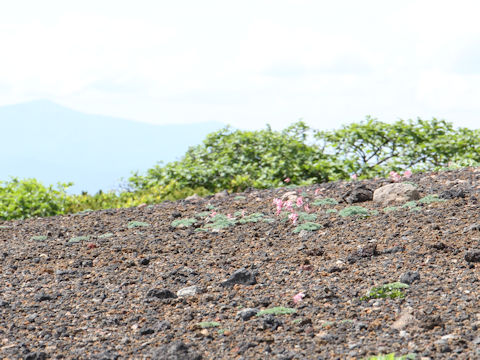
114,295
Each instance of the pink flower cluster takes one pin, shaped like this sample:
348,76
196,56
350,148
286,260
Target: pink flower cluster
288,206
395,177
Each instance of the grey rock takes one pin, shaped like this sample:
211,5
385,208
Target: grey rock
161,294
452,194
395,193
188,291
241,276
360,194
176,351
472,256
246,314
409,277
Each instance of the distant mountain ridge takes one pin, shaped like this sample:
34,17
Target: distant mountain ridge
53,143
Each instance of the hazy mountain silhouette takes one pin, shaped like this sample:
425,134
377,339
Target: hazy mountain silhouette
52,143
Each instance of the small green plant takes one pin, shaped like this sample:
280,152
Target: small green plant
390,208
239,197
308,226
208,324
220,221
137,224
4,227
255,217
278,310
79,239
297,321
353,210
430,199
331,211
392,291
303,216
202,214
105,236
392,357
180,223
38,238
210,207
326,201
410,204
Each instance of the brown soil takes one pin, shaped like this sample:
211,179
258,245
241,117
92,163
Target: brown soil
114,295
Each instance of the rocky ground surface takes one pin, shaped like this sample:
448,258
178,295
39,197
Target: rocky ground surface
225,277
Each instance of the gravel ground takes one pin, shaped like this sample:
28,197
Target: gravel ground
147,283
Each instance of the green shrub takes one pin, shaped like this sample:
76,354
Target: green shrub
331,211
354,210
208,324
278,310
303,216
137,224
430,199
79,239
392,291
255,217
183,222
20,199
326,201
308,226
38,238
392,357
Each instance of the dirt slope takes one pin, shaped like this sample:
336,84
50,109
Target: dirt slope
103,285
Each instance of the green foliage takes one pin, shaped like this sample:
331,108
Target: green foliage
430,199
331,211
79,239
235,160
218,221
106,236
372,147
392,356
38,238
208,324
392,291
326,201
255,217
137,224
308,226
278,310
390,208
353,210
303,216
20,199
183,222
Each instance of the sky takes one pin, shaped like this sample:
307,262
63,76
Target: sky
246,63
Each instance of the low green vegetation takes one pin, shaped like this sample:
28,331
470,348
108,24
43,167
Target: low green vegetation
278,310
392,356
392,291
137,224
308,226
208,324
430,199
38,238
326,201
234,160
78,239
182,223
354,210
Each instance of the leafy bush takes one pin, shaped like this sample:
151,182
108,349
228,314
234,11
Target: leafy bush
20,199
278,310
308,226
326,201
235,160
183,222
392,291
353,210
372,147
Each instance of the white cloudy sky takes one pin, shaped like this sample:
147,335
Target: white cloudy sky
246,63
